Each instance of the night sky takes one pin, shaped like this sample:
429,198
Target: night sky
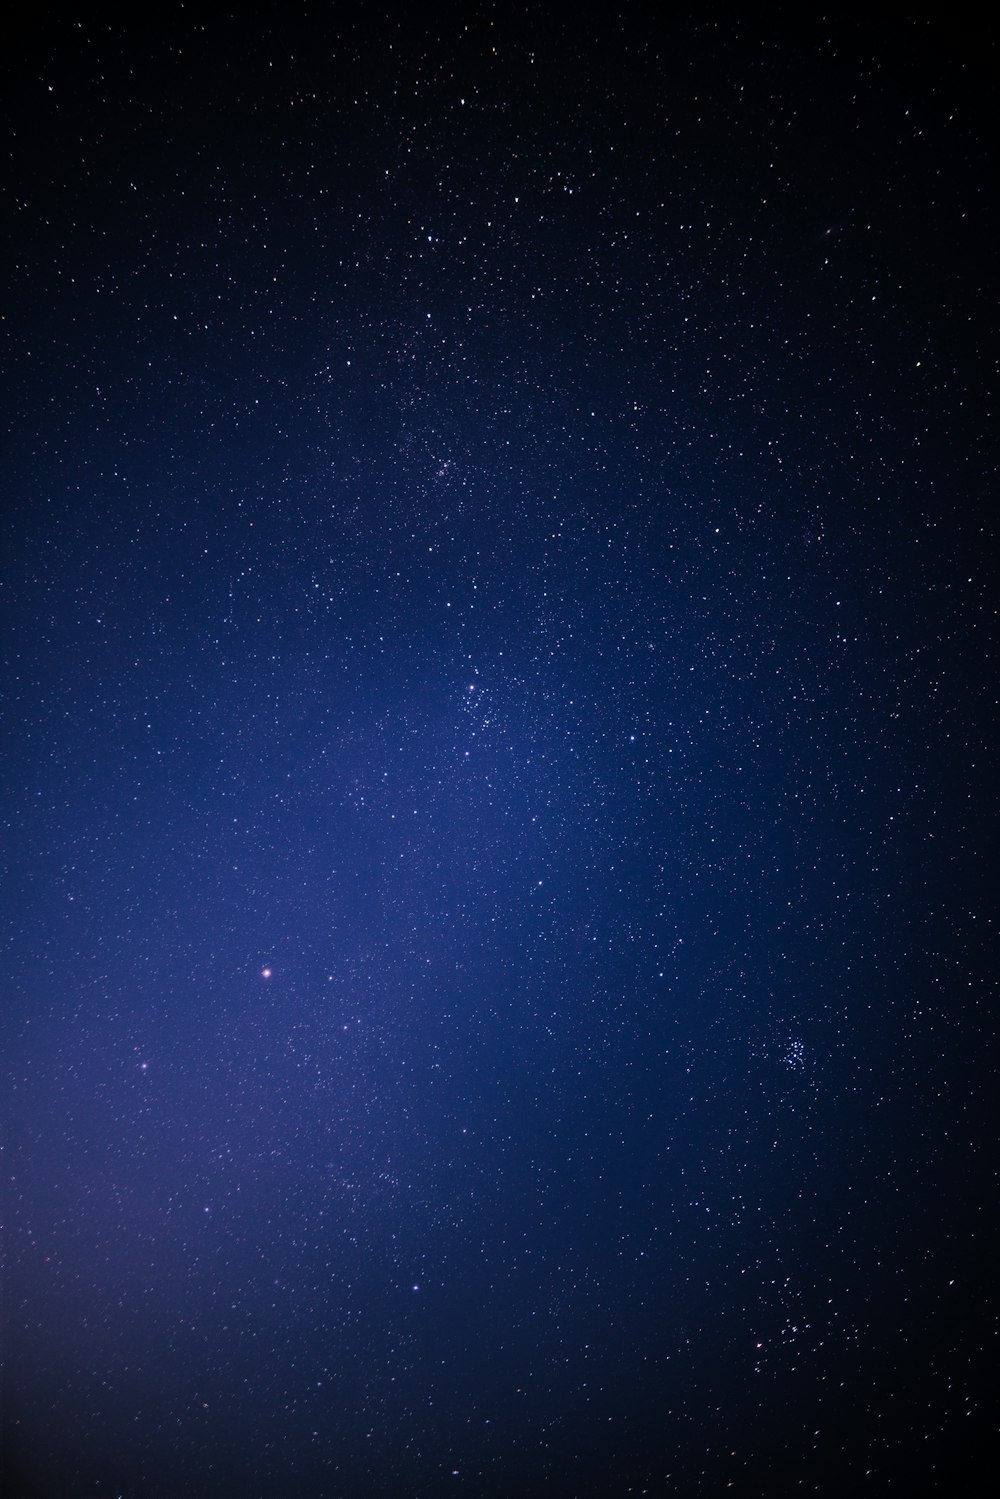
499,702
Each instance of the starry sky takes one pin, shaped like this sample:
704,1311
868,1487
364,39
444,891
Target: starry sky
500,694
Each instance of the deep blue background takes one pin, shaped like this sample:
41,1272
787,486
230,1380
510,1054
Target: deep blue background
499,536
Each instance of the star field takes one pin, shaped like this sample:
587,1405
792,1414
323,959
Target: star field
499,616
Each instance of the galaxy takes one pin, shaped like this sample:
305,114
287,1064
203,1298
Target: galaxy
499,780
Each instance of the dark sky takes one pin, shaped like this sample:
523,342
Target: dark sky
499,621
